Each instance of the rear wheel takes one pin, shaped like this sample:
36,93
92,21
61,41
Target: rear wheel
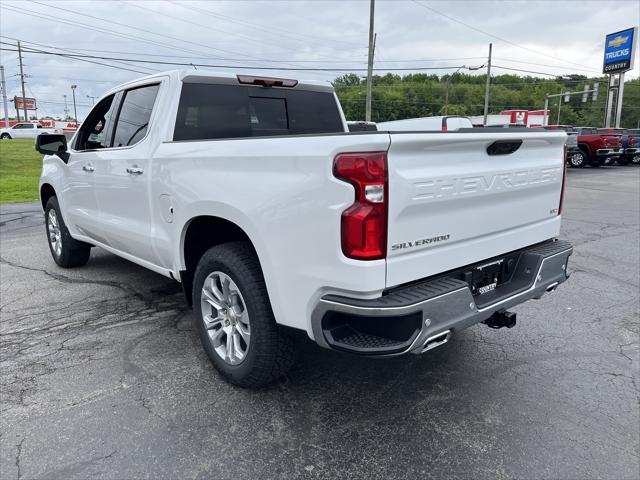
635,159
577,160
234,317
65,250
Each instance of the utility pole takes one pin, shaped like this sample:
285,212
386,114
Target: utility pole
559,105
486,88
75,112
24,95
367,115
4,98
93,99
66,108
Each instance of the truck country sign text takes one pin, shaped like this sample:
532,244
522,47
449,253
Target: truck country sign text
619,51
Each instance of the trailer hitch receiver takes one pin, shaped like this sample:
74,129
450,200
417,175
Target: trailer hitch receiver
500,319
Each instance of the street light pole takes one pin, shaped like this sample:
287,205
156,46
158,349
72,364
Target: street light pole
75,112
93,99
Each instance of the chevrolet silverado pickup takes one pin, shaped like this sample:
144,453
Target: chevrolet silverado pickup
599,148
252,193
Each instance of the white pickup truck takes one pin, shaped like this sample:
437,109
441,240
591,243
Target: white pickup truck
26,130
253,194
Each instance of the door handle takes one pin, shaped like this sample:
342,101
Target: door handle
134,170
88,168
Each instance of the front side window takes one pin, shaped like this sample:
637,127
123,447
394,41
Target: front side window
135,113
93,134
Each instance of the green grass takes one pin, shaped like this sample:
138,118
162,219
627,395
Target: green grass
20,167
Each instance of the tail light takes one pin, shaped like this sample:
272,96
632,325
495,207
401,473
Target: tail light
632,140
364,223
564,176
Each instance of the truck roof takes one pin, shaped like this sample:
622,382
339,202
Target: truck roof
210,76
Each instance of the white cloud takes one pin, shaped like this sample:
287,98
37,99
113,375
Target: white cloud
330,34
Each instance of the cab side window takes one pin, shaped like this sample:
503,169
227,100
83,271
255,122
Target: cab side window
133,119
93,134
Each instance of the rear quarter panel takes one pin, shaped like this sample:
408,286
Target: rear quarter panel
282,193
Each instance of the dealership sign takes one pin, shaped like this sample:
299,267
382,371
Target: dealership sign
619,51
21,102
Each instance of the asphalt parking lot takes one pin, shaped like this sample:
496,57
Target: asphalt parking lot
102,376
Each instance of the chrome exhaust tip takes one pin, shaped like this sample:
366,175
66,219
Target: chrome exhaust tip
437,340
552,287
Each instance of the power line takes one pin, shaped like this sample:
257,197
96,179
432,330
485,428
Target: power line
206,65
49,17
83,60
165,55
544,65
163,35
494,36
276,31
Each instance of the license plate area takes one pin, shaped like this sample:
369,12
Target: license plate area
484,278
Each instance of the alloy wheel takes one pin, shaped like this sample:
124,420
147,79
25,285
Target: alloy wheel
55,236
225,317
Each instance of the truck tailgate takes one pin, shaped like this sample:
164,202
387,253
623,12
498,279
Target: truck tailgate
452,204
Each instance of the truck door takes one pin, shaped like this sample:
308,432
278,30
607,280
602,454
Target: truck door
89,147
122,177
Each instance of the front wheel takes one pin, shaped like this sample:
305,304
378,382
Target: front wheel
5,136
65,250
234,317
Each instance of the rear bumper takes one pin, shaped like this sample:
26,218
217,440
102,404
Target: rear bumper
418,317
608,152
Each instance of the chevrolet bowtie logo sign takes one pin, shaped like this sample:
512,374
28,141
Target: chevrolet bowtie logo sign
619,40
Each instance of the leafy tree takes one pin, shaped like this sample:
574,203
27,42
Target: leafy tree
418,95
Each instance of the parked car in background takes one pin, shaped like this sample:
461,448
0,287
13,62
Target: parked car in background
26,130
599,148
575,156
631,145
442,124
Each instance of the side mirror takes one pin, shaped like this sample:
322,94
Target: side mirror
53,145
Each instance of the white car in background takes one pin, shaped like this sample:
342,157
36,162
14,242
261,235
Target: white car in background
26,130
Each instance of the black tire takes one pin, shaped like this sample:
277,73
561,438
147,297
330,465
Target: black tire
577,160
623,160
269,354
635,159
5,136
71,253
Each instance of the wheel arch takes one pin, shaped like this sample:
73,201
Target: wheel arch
201,233
46,192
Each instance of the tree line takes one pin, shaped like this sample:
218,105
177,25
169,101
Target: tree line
396,97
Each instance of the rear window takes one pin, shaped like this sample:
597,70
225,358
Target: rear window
208,112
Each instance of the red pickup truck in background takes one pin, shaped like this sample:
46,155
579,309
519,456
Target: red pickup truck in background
600,146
